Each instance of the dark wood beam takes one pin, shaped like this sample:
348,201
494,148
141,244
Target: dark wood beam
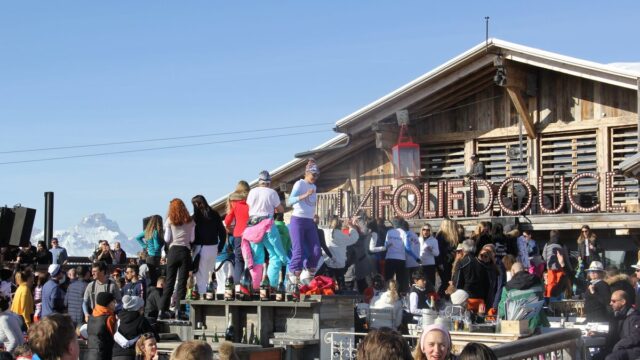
523,112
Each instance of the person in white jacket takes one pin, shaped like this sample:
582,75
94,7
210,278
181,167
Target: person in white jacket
398,249
388,300
428,252
337,242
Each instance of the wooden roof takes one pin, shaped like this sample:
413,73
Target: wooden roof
464,75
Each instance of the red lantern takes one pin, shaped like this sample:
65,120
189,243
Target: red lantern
406,156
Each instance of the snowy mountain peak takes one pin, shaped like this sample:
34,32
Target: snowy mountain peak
82,239
99,220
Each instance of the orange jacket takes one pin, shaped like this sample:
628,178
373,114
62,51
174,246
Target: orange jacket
100,310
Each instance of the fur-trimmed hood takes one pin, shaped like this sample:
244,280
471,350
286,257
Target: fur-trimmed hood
620,277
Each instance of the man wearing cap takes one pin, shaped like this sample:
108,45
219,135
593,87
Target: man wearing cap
52,294
131,324
477,168
305,244
598,294
101,327
263,202
459,298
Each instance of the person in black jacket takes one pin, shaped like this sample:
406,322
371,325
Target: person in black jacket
210,236
598,294
101,328
623,338
26,255
43,256
154,294
131,324
470,275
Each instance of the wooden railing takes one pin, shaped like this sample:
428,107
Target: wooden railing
558,344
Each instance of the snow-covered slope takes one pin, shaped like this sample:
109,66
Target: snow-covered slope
81,239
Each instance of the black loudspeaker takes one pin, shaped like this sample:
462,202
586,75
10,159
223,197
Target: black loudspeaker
6,224
23,219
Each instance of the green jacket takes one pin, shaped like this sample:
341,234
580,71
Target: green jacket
511,293
284,236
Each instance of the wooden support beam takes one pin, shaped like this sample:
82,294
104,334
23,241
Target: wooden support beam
521,107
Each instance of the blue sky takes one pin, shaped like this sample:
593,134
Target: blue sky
80,72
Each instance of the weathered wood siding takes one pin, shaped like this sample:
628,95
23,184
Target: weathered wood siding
362,169
486,122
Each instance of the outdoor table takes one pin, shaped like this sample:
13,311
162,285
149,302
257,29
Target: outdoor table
294,324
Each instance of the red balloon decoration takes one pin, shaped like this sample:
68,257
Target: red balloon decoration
526,185
411,188
541,196
452,196
572,184
472,196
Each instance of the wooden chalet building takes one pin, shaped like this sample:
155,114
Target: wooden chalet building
528,114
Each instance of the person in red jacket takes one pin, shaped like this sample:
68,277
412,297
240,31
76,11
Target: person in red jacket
238,214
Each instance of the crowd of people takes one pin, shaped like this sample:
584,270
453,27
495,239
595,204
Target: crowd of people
392,267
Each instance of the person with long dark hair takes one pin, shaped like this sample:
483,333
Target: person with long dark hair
210,236
588,247
179,234
152,240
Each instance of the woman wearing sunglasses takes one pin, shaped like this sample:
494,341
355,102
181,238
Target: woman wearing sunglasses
146,347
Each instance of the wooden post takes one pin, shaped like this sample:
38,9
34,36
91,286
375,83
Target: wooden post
638,113
603,156
523,112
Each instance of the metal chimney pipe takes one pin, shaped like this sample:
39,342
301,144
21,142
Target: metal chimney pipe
48,218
